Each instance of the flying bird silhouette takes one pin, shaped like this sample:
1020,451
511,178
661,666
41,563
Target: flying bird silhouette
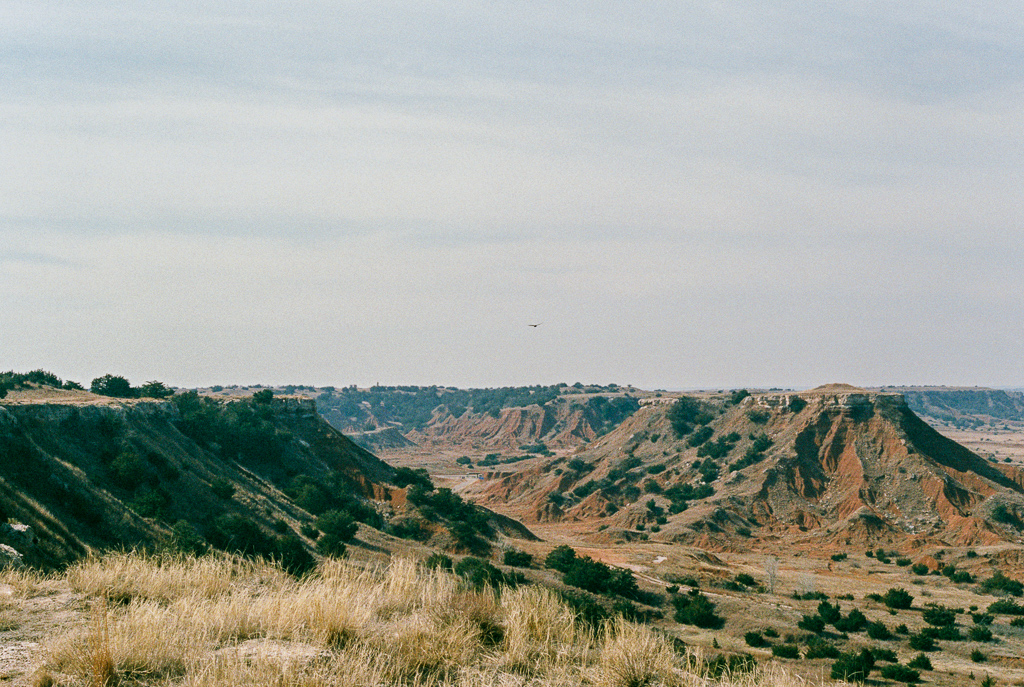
535,325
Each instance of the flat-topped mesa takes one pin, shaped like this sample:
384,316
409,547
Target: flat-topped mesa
848,399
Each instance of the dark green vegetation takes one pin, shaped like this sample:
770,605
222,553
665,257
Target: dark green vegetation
596,577
170,473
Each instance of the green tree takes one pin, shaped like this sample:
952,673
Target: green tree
263,397
155,389
112,385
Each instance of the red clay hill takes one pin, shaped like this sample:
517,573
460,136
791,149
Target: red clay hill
836,465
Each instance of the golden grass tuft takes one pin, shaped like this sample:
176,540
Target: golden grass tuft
633,656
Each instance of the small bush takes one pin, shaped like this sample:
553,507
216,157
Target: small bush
919,569
980,633
897,598
922,642
517,559
903,562
819,648
746,580
920,662
900,673
853,667
786,651
938,615
811,623
696,609
561,558
887,655
839,557
1006,607
878,630
336,529
829,613
978,656
438,561
755,639
855,621
1001,584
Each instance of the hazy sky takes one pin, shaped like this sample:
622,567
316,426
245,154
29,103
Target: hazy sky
684,194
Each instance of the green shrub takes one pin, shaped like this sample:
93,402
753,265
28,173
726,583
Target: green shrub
978,656
811,623
878,630
919,569
786,651
746,580
855,621
982,618
685,413
755,639
561,558
903,562
516,558
336,529
480,573
853,667
696,609
935,614
1001,584
962,577
897,598
236,534
128,470
980,633
920,662
900,673
947,632
829,613
293,556
1006,607
839,557
438,561
819,648
882,654
758,416
922,642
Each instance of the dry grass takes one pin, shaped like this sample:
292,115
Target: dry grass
221,621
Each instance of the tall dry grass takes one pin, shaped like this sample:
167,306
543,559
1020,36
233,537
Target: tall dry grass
222,621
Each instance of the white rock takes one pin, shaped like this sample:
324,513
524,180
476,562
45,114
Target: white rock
10,558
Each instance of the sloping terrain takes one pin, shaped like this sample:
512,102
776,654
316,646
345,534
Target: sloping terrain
89,472
833,465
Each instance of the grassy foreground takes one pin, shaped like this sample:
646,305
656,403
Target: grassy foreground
216,621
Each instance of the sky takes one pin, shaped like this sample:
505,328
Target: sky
682,194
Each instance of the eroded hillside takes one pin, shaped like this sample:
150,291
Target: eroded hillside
255,475
836,464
